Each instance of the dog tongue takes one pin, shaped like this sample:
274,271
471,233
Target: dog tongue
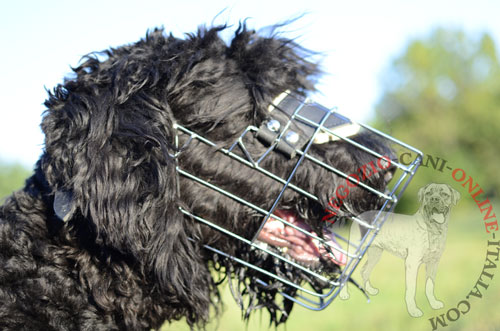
438,217
300,246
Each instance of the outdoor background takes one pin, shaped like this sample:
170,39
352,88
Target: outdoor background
427,72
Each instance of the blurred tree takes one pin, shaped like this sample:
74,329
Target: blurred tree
12,177
442,95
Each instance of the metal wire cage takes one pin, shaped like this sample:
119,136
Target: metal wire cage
353,249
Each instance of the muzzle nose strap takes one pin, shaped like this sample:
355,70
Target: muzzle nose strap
298,131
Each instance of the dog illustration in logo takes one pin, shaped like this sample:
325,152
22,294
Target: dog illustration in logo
418,239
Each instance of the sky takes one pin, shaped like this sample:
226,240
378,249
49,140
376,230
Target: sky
41,40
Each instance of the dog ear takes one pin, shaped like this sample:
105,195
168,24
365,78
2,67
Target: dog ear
110,156
455,195
272,65
421,193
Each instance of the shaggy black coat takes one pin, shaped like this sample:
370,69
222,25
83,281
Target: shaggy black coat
124,260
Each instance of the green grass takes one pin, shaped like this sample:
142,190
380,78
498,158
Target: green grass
12,177
459,269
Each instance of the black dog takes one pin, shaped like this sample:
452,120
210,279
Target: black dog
97,239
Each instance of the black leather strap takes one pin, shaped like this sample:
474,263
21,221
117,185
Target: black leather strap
284,110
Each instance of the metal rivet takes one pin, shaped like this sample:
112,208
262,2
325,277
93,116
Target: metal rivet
273,125
292,137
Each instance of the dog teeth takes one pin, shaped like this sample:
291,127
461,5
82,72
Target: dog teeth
275,226
261,244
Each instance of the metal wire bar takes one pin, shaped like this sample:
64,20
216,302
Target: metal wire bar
309,144
248,242
352,142
304,297
365,243
258,209
265,272
248,163
317,306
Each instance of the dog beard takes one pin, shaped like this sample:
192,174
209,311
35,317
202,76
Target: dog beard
253,290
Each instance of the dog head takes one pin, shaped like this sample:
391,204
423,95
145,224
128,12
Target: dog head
153,152
437,200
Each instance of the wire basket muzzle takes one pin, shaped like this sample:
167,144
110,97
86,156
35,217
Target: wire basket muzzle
294,126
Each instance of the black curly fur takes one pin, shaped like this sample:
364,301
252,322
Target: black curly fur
125,259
